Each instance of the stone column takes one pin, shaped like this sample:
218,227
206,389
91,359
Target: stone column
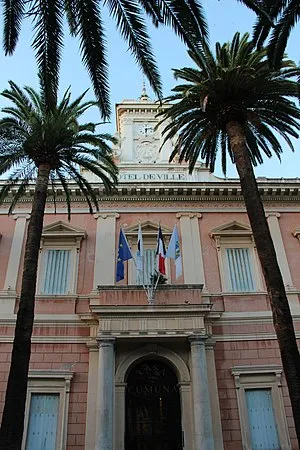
12,271
203,429
105,400
105,250
192,258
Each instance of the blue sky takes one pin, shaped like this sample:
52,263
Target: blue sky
225,17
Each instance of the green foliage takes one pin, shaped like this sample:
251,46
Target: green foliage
156,275
234,84
84,18
276,18
32,133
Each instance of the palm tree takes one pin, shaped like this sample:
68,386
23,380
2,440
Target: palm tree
276,18
46,146
84,19
234,103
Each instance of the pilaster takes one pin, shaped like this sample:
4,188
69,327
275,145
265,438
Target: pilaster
192,257
8,295
105,249
90,430
120,413
214,394
273,222
12,271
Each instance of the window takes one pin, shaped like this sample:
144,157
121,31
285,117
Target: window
149,231
56,274
261,419
42,424
240,272
238,261
261,410
149,267
46,414
58,263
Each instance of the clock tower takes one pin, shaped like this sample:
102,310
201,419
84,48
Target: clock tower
140,153
139,139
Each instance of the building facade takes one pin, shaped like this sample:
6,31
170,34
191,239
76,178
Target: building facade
199,369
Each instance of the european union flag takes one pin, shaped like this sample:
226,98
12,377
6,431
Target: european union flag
124,253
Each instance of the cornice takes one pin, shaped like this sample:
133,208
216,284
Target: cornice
271,190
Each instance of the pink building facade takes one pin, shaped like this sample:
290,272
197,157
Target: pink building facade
199,369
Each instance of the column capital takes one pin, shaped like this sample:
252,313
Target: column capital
106,341
198,339
21,216
106,215
272,214
188,214
210,343
92,345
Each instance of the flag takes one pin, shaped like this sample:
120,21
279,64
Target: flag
140,251
124,253
174,252
161,252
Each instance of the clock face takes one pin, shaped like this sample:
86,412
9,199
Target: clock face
146,129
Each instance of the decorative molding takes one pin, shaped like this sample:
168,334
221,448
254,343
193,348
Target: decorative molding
233,228
62,232
272,214
158,322
296,233
51,373
21,216
189,214
106,215
149,228
160,352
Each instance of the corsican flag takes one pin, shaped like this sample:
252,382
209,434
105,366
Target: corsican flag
140,251
124,253
174,252
161,252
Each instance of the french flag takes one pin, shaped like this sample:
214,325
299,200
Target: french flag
161,252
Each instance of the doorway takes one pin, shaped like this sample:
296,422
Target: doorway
153,413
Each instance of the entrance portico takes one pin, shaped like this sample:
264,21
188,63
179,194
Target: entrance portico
168,338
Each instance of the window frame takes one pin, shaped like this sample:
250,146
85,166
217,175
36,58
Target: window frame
236,235
60,236
50,382
149,231
261,377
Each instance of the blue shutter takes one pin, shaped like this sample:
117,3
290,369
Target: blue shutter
56,271
240,270
42,425
262,425
149,267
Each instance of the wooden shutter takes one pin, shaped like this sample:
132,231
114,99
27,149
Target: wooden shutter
42,425
56,271
262,424
239,270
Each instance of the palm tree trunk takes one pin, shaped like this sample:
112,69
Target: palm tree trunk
282,318
11,432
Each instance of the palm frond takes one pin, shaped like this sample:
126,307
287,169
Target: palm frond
13,14
48,44
237,84
93,49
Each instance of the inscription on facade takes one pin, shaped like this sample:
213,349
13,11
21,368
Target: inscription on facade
153,176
